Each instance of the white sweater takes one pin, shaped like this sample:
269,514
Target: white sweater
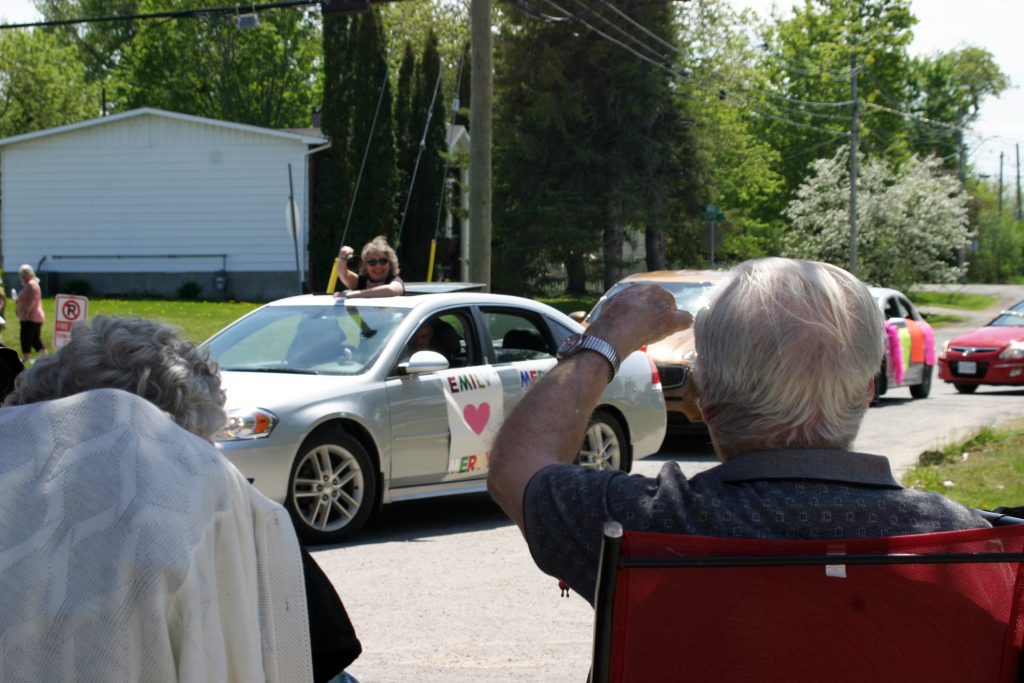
131,550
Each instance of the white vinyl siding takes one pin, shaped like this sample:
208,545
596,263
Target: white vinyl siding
155,185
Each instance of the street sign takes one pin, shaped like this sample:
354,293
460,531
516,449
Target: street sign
70,310
711,213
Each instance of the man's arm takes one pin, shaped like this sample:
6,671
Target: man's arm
547,425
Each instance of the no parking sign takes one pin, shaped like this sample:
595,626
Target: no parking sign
70,310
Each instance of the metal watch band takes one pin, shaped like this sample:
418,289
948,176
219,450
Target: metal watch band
602,347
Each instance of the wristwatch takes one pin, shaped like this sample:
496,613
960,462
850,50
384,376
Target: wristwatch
575,343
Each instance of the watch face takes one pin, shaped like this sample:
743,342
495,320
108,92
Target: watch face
571,343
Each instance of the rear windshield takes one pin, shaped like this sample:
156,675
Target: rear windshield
689,296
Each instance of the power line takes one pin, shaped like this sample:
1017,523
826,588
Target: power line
170,14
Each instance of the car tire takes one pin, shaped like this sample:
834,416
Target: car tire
604,444
965,388
925,387
332,488
881,385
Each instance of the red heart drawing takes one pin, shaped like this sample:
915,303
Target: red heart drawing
477,416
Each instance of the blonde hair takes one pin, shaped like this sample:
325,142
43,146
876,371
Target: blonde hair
379,245
26,269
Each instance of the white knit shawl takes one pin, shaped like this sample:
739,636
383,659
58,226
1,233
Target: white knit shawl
132,550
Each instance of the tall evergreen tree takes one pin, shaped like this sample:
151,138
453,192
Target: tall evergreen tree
590,146
333,167
355,85
424,191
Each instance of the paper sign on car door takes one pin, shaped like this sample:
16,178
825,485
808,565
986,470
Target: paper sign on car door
475,411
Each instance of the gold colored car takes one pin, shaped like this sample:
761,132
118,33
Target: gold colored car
674,354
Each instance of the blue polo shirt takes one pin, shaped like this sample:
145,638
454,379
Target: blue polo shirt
786,494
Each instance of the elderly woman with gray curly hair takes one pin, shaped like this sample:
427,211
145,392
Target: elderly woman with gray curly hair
143,357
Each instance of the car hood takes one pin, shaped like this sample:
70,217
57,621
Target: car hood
672,348
989,336
276,391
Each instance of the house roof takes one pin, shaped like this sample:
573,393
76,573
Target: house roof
303,137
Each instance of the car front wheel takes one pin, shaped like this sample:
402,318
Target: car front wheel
965,388
333,487
604,444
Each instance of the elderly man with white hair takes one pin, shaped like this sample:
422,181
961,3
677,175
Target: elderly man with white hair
787,354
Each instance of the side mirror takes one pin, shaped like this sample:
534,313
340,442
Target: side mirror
423,361
578,316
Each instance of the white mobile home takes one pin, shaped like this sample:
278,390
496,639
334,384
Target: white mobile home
146,201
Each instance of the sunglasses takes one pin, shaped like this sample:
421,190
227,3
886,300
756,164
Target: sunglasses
376,261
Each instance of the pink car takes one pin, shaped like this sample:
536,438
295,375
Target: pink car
909,346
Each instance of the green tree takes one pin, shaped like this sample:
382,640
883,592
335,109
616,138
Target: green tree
206,66
99,45
357,100
997,251
42,84
808,60
591,144
742,175
950,88
427,126
912,220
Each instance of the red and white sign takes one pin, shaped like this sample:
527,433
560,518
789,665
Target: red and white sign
70,310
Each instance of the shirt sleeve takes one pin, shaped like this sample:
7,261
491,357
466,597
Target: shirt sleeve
565,508
564,511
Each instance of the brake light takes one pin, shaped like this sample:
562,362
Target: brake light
655,375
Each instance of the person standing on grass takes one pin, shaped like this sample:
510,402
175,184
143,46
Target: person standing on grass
29,306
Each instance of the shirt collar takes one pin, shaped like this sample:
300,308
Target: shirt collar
808,463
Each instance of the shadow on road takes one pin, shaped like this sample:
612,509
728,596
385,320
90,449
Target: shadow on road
418,520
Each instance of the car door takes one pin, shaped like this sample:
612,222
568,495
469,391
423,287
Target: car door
438,419
907,340
523,348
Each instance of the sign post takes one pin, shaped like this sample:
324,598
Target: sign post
70,310
712,215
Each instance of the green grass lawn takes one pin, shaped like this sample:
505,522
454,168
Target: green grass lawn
986,471
940,319
197,320
969,302
567,305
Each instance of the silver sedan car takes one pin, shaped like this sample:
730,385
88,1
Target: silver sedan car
338,406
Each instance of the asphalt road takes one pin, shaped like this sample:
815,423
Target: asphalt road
445,589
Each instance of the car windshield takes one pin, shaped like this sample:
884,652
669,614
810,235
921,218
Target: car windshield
689,296
1013,317
308,340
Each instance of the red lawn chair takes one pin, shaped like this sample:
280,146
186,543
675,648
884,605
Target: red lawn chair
932,607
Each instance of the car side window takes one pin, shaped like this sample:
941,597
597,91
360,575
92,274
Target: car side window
906,310
892,309
516,337
452,340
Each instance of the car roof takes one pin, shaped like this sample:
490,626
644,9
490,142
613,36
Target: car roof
421,300
882,292
677,276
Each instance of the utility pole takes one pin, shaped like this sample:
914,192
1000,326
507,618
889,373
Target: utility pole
482,82
1018,181
854,143
1000,184
960,256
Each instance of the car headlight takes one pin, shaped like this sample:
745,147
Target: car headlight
250,423
1014,350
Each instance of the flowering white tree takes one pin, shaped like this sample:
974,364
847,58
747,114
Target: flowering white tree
912,221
